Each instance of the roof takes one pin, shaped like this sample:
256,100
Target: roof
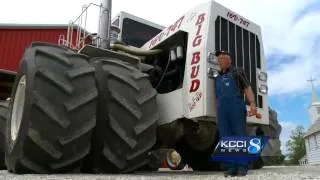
315,103
315,127
35,26
39,26
136,18
24,26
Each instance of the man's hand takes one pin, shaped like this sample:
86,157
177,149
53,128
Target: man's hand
253,110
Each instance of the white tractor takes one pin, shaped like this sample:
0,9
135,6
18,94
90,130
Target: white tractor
109,105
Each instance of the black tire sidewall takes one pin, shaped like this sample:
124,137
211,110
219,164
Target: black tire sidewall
257,164
104,125
98,135
198,160
13,149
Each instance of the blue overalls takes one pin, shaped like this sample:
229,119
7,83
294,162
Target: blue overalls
231,111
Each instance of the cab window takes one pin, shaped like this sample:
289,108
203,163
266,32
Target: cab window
137,34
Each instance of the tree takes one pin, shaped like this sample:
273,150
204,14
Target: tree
296,145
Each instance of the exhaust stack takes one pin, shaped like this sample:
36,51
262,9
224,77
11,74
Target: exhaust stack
104,26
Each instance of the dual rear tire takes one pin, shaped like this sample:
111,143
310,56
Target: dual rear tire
4,110
127,118
68,114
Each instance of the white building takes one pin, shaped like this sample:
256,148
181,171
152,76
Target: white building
303,161
312,136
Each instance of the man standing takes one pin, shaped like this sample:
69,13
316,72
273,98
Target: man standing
230,86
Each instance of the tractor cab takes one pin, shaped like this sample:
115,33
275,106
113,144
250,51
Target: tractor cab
132,30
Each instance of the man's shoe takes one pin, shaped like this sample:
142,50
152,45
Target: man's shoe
230,172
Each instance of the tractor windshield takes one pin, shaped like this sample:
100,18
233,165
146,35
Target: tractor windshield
137,34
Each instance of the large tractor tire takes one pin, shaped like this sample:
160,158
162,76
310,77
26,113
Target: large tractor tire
126,118
156,160
272,153
274,124
52,112
4,109
257,164
199,159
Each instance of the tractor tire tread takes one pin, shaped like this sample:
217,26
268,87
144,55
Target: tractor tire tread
63,101
130,116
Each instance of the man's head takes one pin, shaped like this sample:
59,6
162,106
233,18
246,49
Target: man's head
224,59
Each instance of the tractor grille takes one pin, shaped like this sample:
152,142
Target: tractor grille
244,47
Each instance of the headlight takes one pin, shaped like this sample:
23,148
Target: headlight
263,89
212,58
212,72
263,76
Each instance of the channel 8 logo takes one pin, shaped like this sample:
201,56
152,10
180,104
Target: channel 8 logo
255,146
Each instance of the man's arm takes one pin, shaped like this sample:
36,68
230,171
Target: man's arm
245,85
250,96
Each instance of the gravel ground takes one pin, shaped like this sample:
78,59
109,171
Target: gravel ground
271,172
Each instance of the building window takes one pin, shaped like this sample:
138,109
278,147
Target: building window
315,141
318,110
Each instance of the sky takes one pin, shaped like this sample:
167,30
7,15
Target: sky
290,31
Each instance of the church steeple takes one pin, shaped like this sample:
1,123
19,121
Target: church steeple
315,98
314,108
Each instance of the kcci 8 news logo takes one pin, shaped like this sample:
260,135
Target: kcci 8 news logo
254,146
238,147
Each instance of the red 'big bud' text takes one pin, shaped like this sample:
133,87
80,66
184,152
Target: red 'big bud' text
196,56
